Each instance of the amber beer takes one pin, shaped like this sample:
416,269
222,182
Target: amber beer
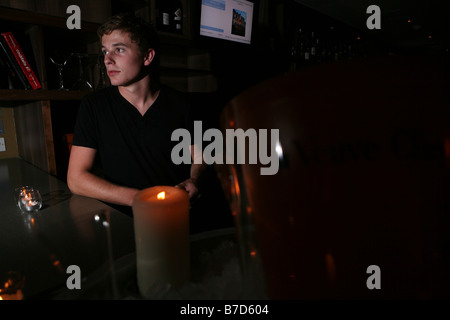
364,179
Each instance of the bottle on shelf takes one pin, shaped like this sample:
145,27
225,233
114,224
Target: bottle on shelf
301,44
313,53
293,51
177,17
319,51
164,10
307,51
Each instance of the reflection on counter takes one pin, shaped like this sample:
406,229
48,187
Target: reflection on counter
216,274
11,285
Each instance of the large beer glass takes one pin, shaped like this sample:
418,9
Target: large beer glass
359,207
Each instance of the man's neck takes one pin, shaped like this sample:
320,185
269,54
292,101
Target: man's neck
140,95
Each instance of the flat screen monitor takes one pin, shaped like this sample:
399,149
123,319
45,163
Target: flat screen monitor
227,19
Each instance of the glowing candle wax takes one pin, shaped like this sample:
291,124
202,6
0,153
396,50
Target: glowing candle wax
161,225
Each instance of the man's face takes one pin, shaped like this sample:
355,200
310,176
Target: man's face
123,59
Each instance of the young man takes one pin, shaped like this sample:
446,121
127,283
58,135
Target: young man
129,125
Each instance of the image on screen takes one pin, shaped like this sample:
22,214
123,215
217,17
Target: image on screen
227,19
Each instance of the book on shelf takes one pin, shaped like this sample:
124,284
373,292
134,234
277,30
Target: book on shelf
15,75
21,71
4,73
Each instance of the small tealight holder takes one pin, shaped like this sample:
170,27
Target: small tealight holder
28,199
19,192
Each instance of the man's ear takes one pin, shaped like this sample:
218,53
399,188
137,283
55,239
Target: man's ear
148,57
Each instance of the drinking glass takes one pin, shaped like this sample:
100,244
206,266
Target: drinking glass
360,188
29,199
102,81
82,83
60,61
19,192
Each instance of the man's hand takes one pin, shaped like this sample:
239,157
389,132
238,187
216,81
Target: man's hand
191,187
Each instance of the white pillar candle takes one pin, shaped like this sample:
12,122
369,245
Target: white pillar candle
161,225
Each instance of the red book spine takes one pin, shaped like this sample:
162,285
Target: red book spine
22,60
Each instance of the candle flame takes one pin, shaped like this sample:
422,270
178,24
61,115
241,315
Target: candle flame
161,195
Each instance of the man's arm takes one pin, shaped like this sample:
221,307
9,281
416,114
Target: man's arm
82,182
191,185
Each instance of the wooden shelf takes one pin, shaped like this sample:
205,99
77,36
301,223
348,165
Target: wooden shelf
28,17
174,38
34,95
38,126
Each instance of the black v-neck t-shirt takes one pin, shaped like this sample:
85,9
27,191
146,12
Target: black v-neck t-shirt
134,150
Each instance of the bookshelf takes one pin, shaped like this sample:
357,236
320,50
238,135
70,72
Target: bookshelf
36,140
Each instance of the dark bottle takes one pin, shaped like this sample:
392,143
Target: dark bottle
177,17
313,48
164,10
293,52
307,54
